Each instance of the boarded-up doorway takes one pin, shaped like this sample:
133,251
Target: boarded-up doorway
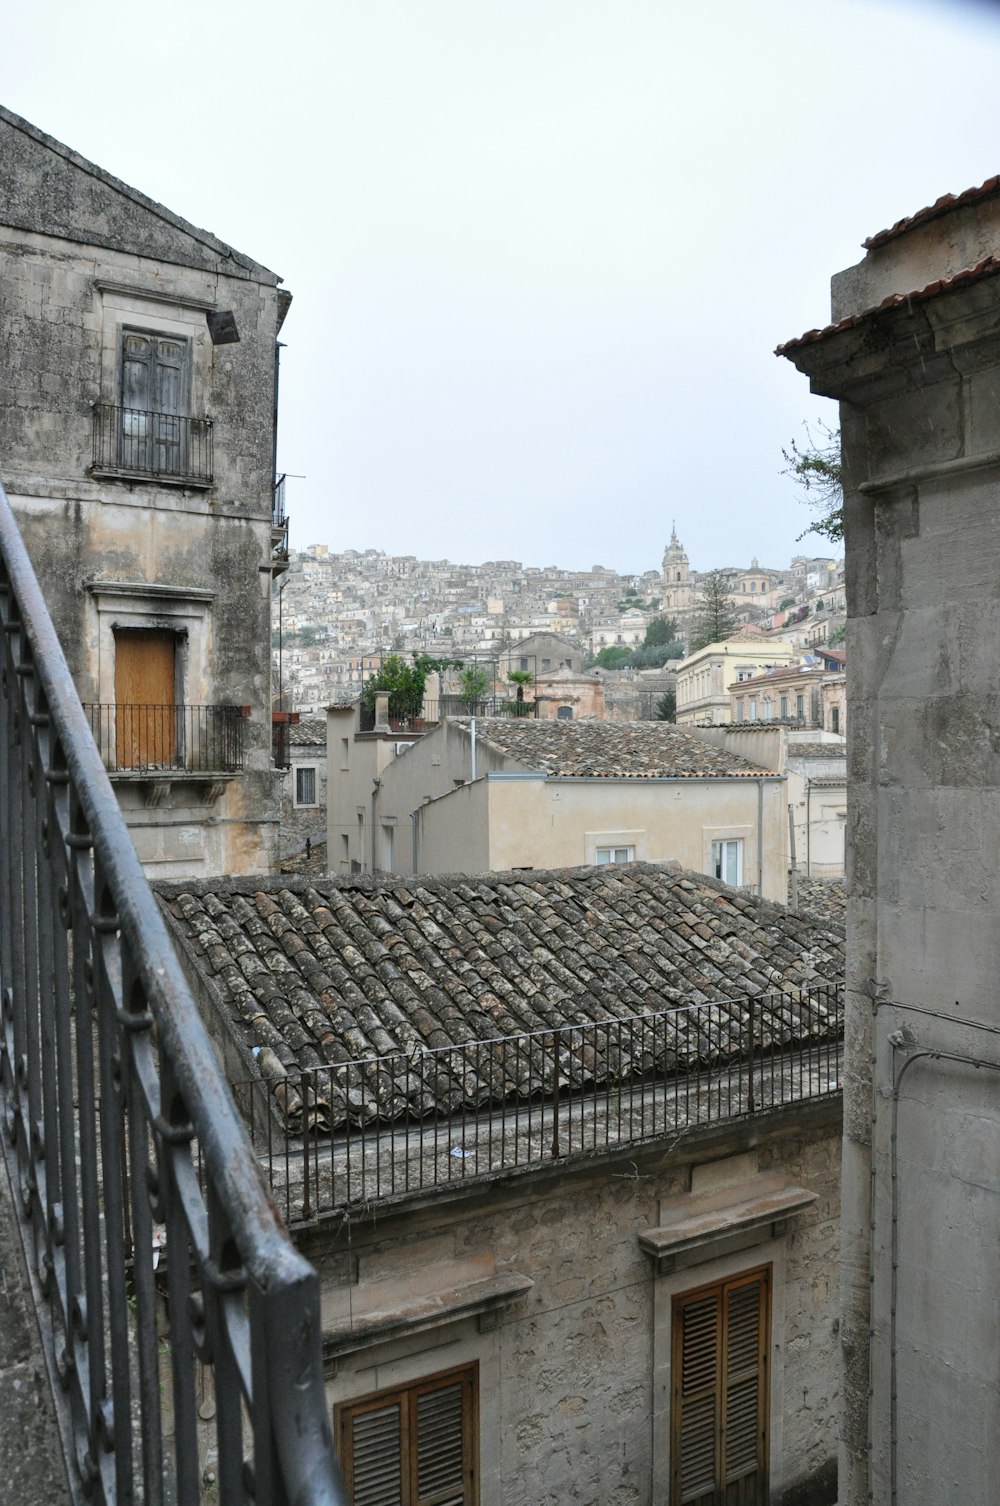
719,1421
145,699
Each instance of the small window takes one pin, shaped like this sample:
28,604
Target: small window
345,753
305,786
835,719
727,860
389,848
524,662
800,708
784,708
546,663
565,713
416,1444
615,855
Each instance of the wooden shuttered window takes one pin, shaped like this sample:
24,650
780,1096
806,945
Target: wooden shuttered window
719,1413
415,1446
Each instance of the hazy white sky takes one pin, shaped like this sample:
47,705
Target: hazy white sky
541,250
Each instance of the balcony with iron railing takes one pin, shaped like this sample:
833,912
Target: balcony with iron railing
362,1132
155,739
122,1139
166,447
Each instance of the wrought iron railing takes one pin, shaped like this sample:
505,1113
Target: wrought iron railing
145,739
168,446
360,1132
111,1100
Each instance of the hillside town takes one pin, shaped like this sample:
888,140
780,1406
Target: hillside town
337,614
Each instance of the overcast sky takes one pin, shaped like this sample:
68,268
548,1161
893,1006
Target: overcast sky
541,251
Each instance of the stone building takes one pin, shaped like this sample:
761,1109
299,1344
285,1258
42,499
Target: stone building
137,428
704,677
913,356
512,792
601,1305
303,804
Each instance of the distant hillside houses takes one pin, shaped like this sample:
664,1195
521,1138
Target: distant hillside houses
342,612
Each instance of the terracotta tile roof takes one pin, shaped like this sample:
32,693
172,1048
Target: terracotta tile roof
817,750
592,749
988,267
823,901
943,205
310,733
338,970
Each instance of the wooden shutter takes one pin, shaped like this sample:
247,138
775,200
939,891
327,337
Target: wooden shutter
155,377
415,1446
719,1420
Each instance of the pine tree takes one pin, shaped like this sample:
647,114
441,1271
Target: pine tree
716,619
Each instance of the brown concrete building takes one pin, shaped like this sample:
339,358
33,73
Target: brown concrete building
137,423
525,1288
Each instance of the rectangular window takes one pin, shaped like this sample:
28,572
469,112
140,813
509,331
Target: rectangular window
414,1446
784,708
155,377
615,855
389,848
727,860
345,752
835,719
719,1413
800,708
305,786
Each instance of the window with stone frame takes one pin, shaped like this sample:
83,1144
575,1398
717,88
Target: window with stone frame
305,784
414,1445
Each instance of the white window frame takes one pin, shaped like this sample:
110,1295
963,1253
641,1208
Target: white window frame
723,850
302,768
614,854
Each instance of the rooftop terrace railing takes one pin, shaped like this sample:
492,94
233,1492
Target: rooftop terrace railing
111,1104
361,1132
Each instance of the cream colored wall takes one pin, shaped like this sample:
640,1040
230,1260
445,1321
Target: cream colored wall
703,678
560,823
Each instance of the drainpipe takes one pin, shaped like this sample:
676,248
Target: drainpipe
809,871
760,838
793,871
413,819
473,747
377,786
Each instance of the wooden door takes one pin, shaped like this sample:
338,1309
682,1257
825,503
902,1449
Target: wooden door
145,713
719,1414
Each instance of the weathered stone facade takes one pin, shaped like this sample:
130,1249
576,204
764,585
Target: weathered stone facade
574,1370
914,357
137,449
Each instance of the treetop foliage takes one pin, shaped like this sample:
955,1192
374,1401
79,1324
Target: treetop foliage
716,618
816,466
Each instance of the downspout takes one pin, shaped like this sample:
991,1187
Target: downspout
413,820
377,786
473,727
760,838
809,870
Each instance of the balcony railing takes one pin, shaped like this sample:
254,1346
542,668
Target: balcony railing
134,442
112,1107
341,1136
147,739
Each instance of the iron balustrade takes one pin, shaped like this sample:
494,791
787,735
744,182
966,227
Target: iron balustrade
168,446
144,739
112,1108
358,1132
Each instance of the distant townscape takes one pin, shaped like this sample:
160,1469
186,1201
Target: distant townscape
337,614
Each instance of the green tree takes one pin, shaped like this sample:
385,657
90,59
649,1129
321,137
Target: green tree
613,658
655,658
404,683
666,706
816,466
716,617
660,630
472,686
